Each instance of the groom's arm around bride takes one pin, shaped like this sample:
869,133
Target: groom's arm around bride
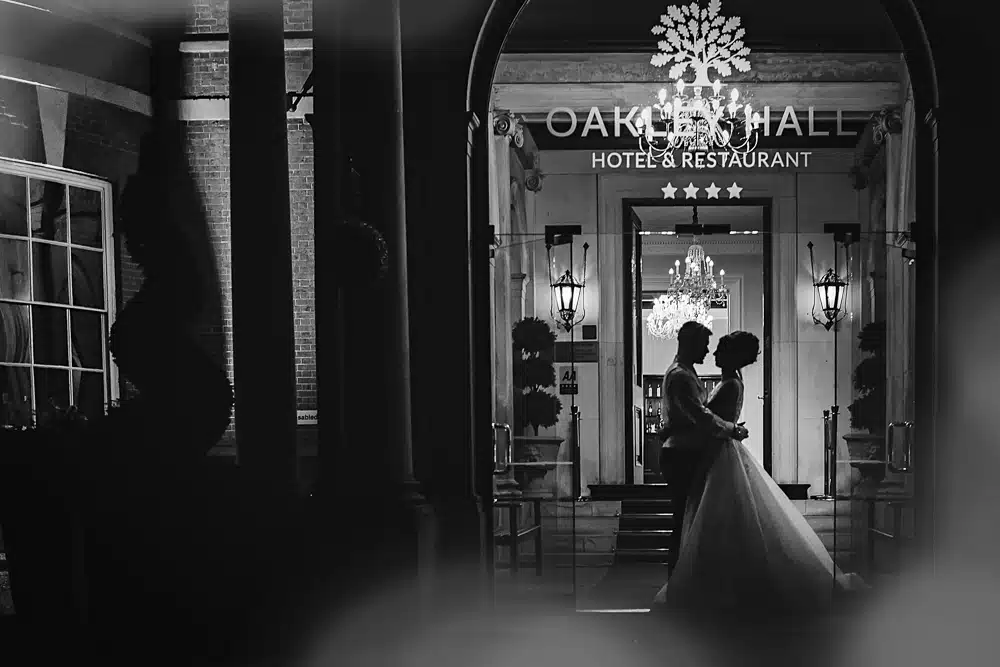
688,420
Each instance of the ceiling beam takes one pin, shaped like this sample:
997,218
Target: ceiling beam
540,98
765,67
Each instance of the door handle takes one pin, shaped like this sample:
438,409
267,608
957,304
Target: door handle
501,466
890,446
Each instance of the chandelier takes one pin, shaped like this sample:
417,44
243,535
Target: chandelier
697,122
696,116
689,295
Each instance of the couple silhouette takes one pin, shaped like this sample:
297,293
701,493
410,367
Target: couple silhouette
743,545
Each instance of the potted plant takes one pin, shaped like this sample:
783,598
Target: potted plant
534,406
867,411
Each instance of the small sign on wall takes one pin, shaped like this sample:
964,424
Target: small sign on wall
567,380
307,417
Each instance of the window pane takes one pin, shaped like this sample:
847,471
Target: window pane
88,338
13,206
88,278
85,217
88,393
14,273
15,333
50,273
51,393
50,335
15,396
48,210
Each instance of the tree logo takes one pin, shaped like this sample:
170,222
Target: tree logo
700,39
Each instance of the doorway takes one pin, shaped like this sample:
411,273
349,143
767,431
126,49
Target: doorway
503,15
738,240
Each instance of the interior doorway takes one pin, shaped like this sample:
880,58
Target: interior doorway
737,239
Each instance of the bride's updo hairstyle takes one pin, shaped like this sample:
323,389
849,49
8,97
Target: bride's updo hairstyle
737,350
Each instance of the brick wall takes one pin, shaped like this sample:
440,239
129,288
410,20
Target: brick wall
212,16
207,151
207,76
208,155
300,161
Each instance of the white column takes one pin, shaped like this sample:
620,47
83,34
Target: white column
505,129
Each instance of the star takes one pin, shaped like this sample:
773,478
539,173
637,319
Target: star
691,191
713,191
668,192
734,191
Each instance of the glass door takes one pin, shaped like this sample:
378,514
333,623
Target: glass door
878,423
536,431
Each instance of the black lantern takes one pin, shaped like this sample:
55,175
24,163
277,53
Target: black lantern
567,293
831,290
568,308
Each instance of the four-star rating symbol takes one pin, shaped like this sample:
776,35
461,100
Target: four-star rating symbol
691,191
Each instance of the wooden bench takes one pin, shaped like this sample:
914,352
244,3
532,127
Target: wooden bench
513,536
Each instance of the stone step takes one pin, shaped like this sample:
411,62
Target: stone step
631,491
644,555
646,506
643,539
647,520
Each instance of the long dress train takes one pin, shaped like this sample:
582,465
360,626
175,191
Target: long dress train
745,546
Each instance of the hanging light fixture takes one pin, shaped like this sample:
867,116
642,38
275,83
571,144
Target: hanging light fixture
830,290
567,304
689,295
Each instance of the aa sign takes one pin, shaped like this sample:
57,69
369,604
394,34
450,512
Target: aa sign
567,380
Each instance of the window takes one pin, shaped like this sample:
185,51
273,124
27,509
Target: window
57,293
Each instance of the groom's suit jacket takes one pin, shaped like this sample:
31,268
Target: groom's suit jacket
688,421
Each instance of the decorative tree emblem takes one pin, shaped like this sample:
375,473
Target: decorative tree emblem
701,39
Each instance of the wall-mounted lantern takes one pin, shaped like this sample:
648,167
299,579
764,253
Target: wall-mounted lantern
830,290
568,307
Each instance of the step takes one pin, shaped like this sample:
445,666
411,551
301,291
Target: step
645,539
628,491
653,555
648,520
646,505
567,560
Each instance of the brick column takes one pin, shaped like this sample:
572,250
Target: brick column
263,329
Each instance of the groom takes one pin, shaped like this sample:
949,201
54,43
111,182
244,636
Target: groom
689,426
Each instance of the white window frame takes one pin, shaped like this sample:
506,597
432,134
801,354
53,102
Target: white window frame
72,178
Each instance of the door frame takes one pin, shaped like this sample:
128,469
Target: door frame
631,243
766,204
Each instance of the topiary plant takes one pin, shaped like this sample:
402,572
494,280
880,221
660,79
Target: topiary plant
534,343
868,409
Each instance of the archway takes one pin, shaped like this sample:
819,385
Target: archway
908,23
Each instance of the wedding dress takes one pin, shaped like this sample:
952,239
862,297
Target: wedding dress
745,546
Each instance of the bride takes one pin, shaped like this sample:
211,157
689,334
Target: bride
744,545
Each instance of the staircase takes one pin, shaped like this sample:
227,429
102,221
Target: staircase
646,526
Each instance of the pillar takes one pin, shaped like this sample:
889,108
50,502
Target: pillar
453,444
363,328
505,129
263,337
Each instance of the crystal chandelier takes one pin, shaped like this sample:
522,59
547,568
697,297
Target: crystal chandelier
697,116
697,122
689,295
